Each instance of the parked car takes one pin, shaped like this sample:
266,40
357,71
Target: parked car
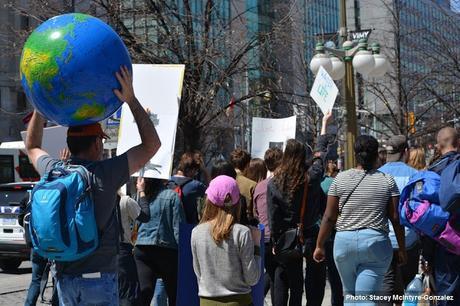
13,248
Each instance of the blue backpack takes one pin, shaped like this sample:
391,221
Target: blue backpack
449,192
62,221
419,204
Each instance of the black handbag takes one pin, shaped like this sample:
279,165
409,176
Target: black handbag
289,246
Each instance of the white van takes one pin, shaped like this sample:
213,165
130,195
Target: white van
16,179
14,163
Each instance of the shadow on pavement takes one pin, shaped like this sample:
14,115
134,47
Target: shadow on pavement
17,271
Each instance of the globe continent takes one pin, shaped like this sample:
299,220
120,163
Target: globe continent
68,67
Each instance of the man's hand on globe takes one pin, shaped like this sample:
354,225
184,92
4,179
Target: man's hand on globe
126,94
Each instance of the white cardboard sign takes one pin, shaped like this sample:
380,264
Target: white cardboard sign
269,133
158,88
324,91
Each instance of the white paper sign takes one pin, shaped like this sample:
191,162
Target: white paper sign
324,91
158,88
269,133
54,140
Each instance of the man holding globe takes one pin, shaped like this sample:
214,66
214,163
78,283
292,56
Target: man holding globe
93,279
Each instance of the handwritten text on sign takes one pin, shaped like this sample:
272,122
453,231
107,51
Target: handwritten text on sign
324,91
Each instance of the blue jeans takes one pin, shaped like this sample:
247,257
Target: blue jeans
92,289
160,298
447,275
362,258
38,268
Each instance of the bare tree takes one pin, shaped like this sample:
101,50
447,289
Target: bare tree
211,39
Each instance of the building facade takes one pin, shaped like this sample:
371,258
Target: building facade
411,33
13,104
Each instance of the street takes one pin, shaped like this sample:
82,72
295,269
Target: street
13,288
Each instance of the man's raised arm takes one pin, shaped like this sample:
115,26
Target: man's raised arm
34,138
139,155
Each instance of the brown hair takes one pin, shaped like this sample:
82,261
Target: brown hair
417,158
256,171
331,169
273,158
221,219
240,159
189,164
291,174
152,188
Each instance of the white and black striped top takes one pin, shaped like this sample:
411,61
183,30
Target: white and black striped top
367,206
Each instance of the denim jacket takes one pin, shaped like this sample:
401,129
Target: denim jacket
166,213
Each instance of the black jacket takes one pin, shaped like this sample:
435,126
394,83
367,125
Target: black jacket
283,215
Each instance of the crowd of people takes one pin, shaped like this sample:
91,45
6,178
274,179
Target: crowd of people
345,223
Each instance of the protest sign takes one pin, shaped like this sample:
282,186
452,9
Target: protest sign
324,91
158,89
269,133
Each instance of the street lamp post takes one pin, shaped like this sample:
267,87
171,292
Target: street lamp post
341,64
349,89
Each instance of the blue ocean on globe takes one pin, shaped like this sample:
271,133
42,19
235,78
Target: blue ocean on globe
68,67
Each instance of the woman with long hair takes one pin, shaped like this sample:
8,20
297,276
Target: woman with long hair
360,202
284,199
226,255
417,158
157,241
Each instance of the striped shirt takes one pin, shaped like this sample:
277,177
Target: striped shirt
367,206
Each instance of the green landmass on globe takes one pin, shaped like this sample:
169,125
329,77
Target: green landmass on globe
67,68
39,59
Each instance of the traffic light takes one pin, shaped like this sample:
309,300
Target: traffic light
411,122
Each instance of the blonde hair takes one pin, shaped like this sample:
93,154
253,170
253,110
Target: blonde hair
221,219
417,158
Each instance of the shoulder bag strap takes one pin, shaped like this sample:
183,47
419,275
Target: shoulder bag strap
303,209
353,190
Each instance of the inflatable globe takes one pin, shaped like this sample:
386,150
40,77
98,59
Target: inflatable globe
68,67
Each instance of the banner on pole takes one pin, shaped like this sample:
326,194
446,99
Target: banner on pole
158,88
324,91
269,133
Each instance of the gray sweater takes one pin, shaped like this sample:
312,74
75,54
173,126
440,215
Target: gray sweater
227,269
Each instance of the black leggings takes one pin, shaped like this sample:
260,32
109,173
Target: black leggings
288,283
156,262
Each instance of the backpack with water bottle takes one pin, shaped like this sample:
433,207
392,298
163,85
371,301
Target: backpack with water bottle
419,209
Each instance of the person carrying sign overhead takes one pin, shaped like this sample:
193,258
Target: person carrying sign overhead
93,279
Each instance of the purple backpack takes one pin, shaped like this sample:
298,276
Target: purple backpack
419,209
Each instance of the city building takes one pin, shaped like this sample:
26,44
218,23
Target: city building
410,34
13,105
